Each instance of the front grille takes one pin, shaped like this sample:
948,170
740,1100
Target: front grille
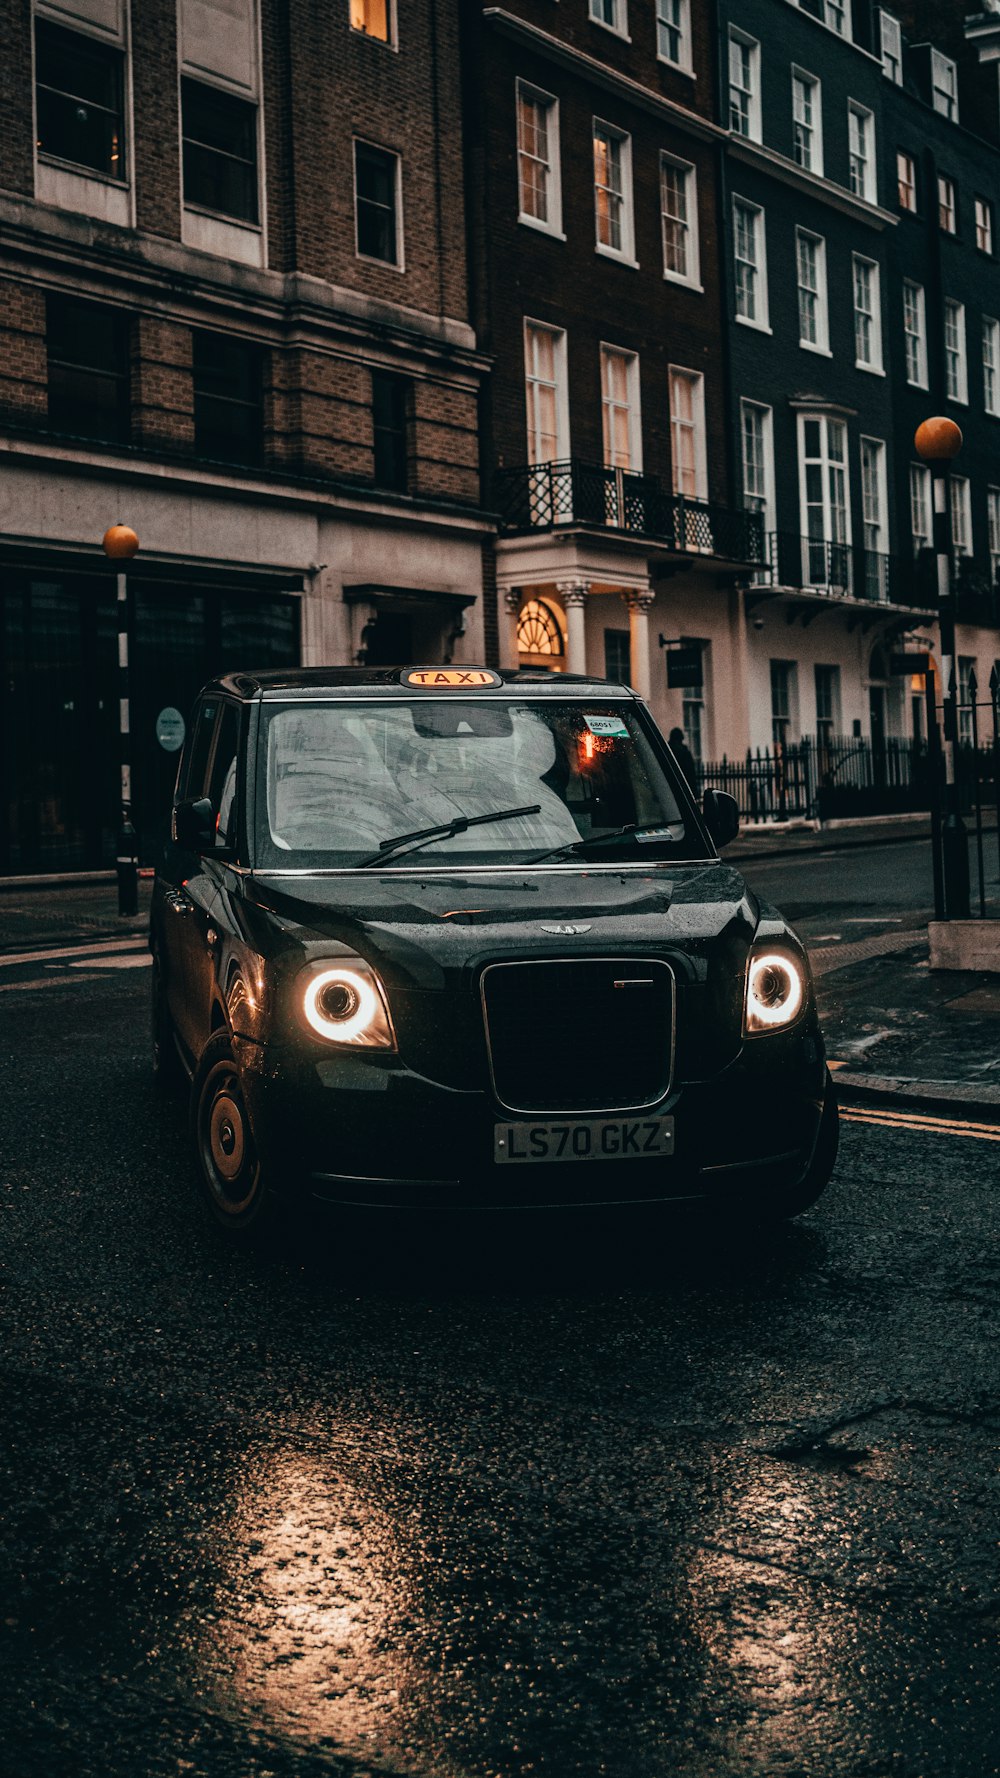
585,1035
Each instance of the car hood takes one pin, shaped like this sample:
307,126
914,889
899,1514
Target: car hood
423,924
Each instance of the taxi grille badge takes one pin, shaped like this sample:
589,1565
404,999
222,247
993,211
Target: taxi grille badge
564,931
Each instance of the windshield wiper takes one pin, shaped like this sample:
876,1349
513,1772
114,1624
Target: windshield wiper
604,839
443,831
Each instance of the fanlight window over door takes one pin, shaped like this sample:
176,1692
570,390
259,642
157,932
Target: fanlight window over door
538,631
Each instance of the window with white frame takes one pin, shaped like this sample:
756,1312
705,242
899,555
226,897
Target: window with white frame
744,85
946,204
836,14
613,191
824,500
376,18
827,703
673,32
620,415
873,511
966,692
687,433
679,214
807,121
861,151
538,182
611,13
546,392
993,531
944,85
906,181
756,433
961,515
955,365
991,365
693,709
784,701
920,507
377,206
915,333
891,46
984,225
867,314
810,260
750,257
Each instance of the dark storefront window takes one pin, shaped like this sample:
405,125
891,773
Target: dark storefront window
79,87
220,151
59,748
375,177
88,369
390,415
228,399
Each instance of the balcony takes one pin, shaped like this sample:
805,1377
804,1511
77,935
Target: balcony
848,571
544,496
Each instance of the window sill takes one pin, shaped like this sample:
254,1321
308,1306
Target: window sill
620,258
84,192
684,283
222,237
540,228
820,351
370,37
388,265
758,326
911,385
676,67
83,172
874,370
602,25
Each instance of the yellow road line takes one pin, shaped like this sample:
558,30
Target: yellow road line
928,1126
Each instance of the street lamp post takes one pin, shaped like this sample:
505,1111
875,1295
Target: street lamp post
120,544
938,440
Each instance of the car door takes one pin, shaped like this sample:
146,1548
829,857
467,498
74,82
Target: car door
201,889
172,904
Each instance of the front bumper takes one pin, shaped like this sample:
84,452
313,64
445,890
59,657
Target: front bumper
368,1130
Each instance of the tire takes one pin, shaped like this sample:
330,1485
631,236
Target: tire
782,1205
168,1070
229,1171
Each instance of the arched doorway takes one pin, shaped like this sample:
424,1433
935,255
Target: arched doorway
540,639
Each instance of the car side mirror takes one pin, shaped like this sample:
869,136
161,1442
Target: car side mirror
193,825
722,816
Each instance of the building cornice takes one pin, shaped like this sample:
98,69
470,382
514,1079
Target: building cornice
767,160
621,84
41,244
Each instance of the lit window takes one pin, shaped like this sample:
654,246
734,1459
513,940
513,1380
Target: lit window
867,314
744,85
538,630
376,203
906,181
944,85
749,252
546,392
807,130
538,182
679,209
374,18
946,204
810,257
891,45
620,409
915,333
610,13
220,151
984,225
673,32
79,86
613,191
991,365
956,372
861,151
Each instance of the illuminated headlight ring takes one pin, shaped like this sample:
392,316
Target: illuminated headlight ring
775,991
363,1020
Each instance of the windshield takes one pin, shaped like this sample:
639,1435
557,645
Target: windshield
339,781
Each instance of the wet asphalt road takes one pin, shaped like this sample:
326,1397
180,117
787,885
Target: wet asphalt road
628,1500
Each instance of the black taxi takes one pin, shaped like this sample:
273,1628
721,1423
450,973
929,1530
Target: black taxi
429,937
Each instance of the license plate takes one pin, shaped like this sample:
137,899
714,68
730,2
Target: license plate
587,1139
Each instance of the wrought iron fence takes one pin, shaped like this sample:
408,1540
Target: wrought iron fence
826,778
534,496
977,776
848,570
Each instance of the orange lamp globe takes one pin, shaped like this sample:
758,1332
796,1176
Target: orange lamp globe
120,543
938,439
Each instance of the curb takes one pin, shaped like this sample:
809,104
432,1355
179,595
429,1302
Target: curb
958,1097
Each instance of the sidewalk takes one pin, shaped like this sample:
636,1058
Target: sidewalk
895,1032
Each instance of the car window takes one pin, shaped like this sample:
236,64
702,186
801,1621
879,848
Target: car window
194,775
222,780
337,780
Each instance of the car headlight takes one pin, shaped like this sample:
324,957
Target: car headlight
775,991
345,1003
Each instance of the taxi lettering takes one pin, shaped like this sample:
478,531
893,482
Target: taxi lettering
448,678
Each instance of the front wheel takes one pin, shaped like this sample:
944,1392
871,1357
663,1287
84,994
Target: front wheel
229,1170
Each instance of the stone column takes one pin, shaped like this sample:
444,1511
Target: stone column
639,604
574,595
508,627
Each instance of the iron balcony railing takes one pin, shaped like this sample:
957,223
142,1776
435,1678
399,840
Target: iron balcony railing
539,496
849,571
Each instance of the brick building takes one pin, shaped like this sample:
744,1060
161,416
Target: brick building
593,161
233,314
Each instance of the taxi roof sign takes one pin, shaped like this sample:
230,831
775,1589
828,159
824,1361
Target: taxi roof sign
450,678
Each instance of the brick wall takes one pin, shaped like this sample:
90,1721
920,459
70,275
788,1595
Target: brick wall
162,386
156,145
16,120
23,397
